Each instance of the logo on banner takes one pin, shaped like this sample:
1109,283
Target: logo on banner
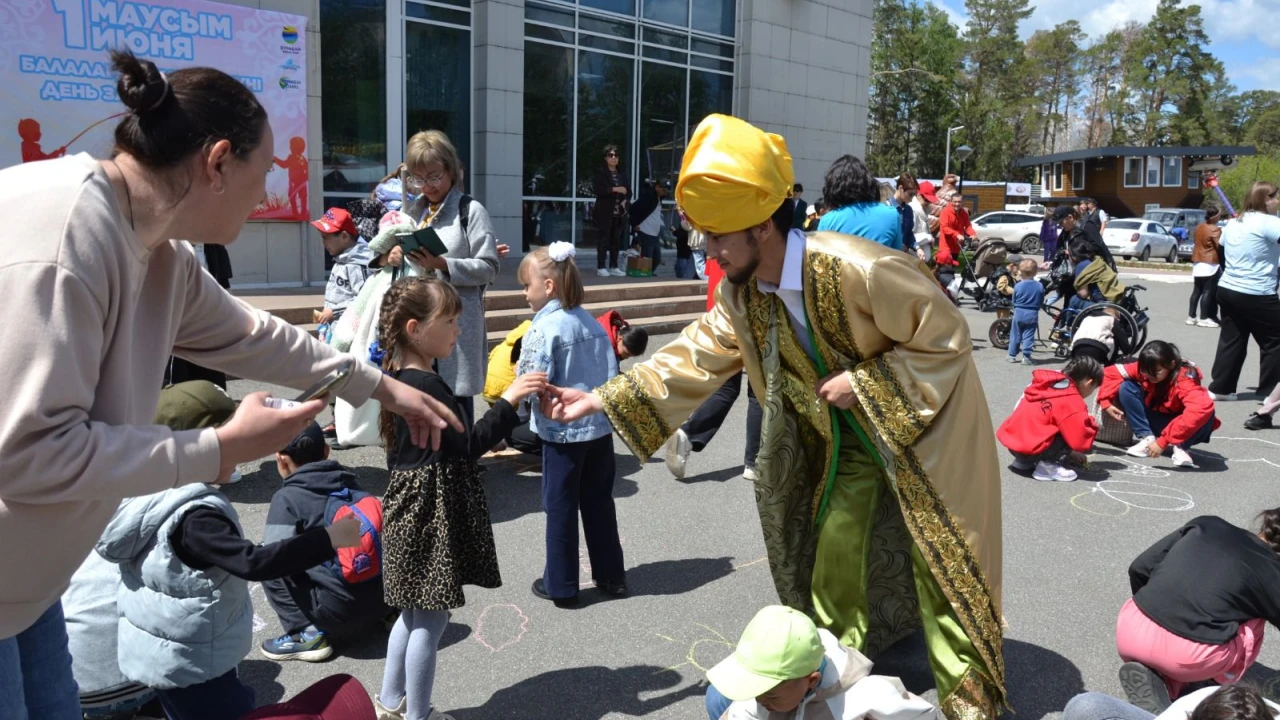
287,84
290,66
290,34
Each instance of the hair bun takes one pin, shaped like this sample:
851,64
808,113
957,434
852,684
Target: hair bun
141,85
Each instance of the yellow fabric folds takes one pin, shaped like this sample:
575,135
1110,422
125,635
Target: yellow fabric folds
734,176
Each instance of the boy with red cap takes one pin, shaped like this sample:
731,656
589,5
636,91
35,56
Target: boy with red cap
1051,422
351,258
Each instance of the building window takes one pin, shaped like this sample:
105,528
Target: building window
1077,175
1193,180
1046,173
437,73
1153,172
354,155
1057,177
1172,171
1133,172
640,82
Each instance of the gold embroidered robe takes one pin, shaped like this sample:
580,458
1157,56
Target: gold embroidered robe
878,313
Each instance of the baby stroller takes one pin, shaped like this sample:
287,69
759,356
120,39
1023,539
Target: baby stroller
975,276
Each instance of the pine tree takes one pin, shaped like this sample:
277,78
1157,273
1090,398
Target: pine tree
995,102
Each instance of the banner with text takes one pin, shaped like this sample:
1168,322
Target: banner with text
61,95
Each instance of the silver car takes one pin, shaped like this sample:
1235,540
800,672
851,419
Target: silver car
1143,239
1019,230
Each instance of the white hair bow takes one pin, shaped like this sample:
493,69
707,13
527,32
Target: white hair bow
561,251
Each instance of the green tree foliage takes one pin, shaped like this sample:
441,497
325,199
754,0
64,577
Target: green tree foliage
995,99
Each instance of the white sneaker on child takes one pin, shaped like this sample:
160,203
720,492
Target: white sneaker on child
1011,358
1182,458
386,713
1050,472
1140,449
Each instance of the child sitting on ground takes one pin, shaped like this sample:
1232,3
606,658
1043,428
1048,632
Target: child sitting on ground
186,619
785,667
1202,598
317,604
499,376
351,258
627,341
1051,423
1163,400
1227,702
1028,296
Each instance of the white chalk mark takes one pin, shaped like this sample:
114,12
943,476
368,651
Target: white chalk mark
1134,494
500,609
1138,469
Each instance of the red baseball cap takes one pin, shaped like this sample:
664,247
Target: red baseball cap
337,697
928,192
336,220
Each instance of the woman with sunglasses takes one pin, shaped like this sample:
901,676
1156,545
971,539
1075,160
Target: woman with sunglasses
1246,296
435,175
612,194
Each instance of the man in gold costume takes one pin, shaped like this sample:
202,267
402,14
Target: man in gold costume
877,483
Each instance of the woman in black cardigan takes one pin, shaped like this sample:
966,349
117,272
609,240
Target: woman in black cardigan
612,193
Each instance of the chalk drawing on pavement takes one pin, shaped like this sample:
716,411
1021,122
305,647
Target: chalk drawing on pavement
704,652
258,623
1113,498
500,626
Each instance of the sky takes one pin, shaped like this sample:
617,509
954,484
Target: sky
1242,33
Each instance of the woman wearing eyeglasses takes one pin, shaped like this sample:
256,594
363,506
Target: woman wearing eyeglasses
435,174
612,194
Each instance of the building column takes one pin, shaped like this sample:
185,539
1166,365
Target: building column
495,177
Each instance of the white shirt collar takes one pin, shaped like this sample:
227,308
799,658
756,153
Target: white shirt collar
792,266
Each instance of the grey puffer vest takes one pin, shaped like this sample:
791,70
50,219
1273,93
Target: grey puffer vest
178,626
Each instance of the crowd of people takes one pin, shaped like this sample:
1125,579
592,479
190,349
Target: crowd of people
143,605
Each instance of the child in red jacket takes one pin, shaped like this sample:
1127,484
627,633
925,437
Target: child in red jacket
1052,424
1162,397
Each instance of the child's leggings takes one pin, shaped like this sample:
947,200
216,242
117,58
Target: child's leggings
411,661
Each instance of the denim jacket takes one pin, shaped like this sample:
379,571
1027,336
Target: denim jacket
574,350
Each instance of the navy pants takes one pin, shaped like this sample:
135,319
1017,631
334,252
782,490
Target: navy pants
577,478
1146,422
217,699
1022,336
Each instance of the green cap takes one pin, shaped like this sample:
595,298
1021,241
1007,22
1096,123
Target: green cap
193,405
779,644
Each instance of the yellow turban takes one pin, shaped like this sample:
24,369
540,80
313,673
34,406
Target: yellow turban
734,176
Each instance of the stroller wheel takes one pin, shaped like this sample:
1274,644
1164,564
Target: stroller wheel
999,333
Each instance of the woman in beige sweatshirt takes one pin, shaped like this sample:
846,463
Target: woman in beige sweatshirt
96,294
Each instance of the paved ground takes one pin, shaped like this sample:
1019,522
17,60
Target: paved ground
697,572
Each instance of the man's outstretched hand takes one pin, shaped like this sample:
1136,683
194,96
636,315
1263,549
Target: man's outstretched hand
567,404
426,416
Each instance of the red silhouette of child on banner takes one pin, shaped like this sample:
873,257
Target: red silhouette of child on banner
298,169
29,131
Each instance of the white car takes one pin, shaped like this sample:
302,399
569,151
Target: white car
1143,239
1019,230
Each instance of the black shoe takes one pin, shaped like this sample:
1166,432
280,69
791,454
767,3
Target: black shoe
540,589
1145,687
1258,421
616,589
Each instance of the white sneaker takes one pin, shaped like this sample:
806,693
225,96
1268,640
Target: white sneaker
749,474
1222,397
1182,458
437,715
678,448
1207,323
235,477
618,272
603,272
386,713
1049,472
1191,321
1140,450
1011,358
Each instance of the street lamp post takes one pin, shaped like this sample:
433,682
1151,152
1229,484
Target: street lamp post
962,153
947,163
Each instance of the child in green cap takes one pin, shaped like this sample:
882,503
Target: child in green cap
785,668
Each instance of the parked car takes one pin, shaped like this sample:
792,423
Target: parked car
1019,230
1143,239
1182,223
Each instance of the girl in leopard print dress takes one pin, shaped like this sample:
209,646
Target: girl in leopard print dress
437,535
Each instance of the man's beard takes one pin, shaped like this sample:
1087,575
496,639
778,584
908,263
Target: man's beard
741,275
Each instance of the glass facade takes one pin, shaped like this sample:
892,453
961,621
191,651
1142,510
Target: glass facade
437,71
353,69
637,74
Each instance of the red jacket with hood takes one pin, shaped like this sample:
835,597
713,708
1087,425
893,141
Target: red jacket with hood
1050,406
1181,395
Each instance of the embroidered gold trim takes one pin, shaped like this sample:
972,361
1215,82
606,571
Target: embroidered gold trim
972,699
830,312
633,415
953,563
887,404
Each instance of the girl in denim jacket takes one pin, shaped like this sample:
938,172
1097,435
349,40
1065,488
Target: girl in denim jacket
578,470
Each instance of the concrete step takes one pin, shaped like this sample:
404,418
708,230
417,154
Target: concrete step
297,308
633,310
656,325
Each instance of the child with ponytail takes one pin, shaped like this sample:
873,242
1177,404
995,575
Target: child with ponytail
1202,597
437,535
578,469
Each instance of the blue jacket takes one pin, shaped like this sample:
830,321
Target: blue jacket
178,626
575,352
